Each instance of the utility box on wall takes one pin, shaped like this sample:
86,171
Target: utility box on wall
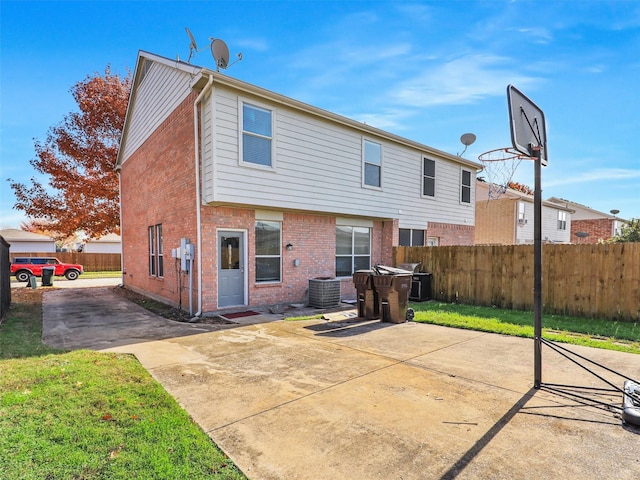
324,292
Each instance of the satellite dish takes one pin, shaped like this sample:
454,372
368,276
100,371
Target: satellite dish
582,234
220,53
193,46
467,139
614,212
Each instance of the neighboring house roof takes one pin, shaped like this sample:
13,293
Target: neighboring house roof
17,235
109,238
201,75
582,211
517,195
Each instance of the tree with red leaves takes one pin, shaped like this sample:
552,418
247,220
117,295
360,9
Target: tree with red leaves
79,156
521,187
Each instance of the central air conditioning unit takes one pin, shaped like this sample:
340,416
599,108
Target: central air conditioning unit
324,292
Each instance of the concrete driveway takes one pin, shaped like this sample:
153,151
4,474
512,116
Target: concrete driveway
351,399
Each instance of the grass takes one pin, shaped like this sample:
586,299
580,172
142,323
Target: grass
90,415
599,333
104,274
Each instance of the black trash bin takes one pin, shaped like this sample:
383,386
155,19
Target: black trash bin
368,306
47,276
393,287
420,287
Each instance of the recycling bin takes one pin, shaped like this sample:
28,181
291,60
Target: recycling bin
393,294
47,276
368,306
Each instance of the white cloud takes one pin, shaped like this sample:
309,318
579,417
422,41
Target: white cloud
597,175
256,44
461,81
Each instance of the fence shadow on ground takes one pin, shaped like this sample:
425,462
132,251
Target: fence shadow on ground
348,327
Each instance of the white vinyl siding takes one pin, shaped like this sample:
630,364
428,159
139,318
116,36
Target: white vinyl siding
319,169
161,90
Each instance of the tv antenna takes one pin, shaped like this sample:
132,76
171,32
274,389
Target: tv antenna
219,51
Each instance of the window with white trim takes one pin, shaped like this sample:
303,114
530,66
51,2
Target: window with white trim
562,220
268,251
353,250
372,163
156,257
465,186
428,177
257,135
411,237
522,219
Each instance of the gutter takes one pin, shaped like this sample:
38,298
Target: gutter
196,139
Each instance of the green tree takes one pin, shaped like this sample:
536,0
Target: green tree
79,157
629,232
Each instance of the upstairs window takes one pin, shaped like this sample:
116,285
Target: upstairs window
268,251
522,219
428,177
465,187
257,135
562,220
372,163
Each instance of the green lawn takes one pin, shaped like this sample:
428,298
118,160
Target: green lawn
598,333
89,415
101,275
612,335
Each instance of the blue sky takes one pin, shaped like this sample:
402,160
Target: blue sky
429,71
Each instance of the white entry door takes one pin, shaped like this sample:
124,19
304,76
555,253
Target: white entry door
230,269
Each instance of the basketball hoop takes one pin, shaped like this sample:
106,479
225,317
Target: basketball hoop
499,167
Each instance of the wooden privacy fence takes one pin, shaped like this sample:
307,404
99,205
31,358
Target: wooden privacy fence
597,281
92,262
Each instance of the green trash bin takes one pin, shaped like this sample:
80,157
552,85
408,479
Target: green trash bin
47,276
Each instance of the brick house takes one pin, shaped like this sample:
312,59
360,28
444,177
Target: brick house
509,220
598,226
267,192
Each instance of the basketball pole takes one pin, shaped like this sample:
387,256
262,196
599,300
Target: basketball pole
535,152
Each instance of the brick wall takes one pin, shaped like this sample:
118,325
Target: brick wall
600,229
313,238
158,187
495,221
451,234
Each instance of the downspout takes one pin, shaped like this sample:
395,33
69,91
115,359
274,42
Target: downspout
204,91
122,270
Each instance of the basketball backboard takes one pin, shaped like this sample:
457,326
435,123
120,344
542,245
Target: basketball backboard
528,127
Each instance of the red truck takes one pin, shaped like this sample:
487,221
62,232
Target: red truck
24,267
